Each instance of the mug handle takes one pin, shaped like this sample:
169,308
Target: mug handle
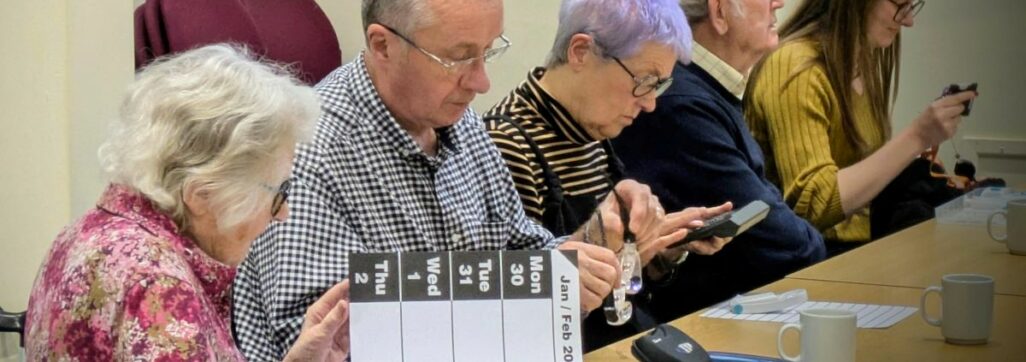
990,226
780,341
922,306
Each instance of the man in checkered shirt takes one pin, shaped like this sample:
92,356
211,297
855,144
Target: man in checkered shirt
400,163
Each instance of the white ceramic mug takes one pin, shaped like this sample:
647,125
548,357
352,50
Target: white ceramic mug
967,308
1015,218
826,335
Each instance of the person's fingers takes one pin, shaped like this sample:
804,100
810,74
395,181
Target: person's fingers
594,287
959,97
639,202
589,300
594,261
701,247
716,210
688,218
649,250
647,228
338,316
613,226
708,246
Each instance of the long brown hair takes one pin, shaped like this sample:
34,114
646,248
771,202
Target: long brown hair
839,27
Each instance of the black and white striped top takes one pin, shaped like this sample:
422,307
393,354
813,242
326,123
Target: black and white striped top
578,160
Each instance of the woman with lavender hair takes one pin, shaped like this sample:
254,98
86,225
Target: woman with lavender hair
609,62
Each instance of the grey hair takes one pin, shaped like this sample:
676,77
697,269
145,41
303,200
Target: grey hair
619,27
405,16
213,117
698,10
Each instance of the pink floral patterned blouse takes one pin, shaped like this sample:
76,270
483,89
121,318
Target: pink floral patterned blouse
123,284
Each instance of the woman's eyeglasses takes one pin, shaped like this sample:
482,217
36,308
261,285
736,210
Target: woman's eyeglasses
647,84
908,9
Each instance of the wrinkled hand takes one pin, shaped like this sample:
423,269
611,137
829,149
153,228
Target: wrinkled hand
676,226
325,333
644,211
707,246
941,118
599,272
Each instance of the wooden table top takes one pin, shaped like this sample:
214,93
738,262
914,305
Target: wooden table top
909,340
919,256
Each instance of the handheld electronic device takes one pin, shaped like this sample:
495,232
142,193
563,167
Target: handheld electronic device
666,343
728,224
954,88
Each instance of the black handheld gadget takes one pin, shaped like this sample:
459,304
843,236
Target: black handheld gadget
728,224
954,88
666,344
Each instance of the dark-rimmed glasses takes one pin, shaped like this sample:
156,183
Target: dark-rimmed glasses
280,196
908,9
647,84
458,66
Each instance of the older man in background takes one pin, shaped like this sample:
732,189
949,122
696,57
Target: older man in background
695,149
400,163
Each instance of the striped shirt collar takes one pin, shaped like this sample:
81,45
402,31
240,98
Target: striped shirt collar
551,111
726,75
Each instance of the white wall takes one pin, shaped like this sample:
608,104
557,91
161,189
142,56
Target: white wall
64,66
957,41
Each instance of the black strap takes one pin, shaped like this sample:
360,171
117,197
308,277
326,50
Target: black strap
555,188
563,214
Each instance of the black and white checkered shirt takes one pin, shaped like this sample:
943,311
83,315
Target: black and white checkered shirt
364,185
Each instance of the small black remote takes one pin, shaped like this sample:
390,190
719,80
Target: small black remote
668,344
728,224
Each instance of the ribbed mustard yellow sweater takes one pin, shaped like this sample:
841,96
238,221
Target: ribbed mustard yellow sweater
797,122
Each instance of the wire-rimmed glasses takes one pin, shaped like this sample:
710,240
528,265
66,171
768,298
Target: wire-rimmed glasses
458,66
908,9
647,84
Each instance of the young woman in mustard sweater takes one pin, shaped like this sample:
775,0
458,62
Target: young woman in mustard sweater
820,108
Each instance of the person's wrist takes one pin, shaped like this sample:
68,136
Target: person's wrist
916,138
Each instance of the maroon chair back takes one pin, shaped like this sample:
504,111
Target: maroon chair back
295,32
299,32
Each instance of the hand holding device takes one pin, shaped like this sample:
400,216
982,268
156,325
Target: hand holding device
955,88
728,224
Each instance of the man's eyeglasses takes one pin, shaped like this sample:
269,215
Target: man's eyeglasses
647,84
908,9
280,196
459,66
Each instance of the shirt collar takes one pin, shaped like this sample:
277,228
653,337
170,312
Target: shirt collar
550,110
726,75
123,201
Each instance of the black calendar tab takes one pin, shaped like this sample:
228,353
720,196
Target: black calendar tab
527,274
425,276
476,275
374,277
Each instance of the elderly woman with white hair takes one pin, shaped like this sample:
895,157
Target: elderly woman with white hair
610,60
199,164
